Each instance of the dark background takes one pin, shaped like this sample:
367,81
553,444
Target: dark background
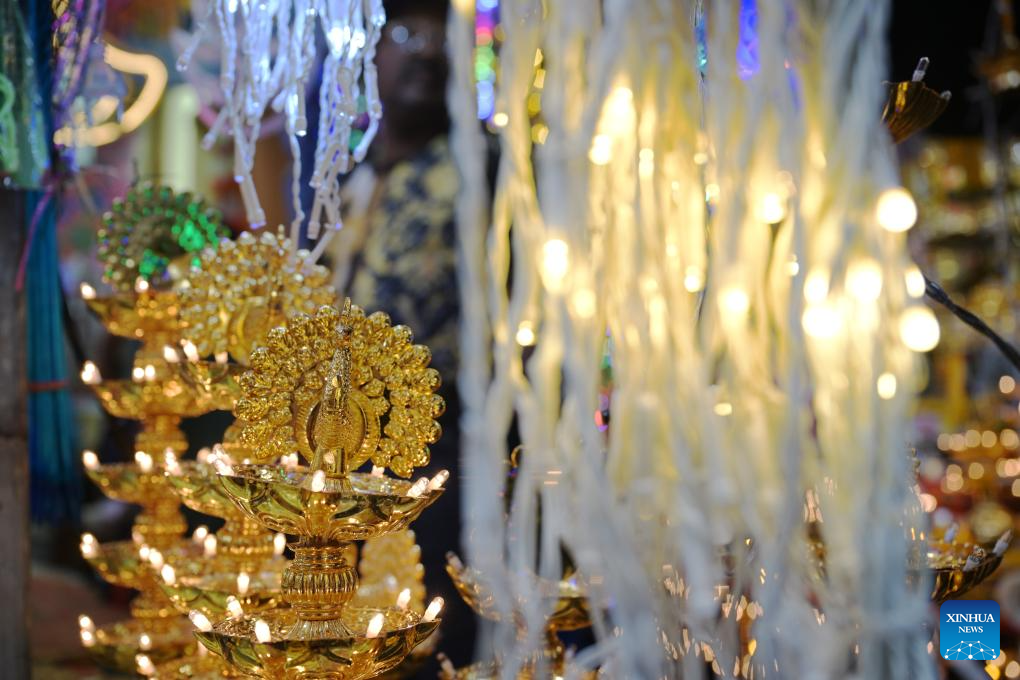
953,34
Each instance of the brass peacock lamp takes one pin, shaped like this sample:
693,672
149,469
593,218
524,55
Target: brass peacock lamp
341,389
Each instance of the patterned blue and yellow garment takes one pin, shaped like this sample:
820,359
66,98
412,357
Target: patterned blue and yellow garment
397,252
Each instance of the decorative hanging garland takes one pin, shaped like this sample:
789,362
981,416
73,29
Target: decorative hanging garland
267,58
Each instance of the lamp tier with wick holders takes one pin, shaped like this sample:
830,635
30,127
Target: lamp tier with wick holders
142,242
565,600
341,389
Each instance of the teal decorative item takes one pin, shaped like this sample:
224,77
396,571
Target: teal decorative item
55,485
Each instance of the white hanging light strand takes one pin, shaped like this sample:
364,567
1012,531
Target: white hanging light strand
666,202
267,59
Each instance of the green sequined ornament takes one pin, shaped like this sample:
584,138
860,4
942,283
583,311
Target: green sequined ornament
152,227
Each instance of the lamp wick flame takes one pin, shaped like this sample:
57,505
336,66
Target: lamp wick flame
190,350
90,374
89,459
200,621
418,488
262,632
168,574
437,482
375,625
234,607
144,664
242,583
432,611
404,598
144,461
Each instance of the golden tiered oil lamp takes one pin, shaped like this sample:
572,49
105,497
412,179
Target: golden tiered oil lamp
341,390
144,238
158,399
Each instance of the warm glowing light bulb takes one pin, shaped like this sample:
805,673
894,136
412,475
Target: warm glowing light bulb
144,641
374,626
694,279
150,373
138,374
89,459
404,598
262,632
919,329
432,611
201,531
646,162
772,208
85,622
279,544
500,119
144,461
209,545
583,302
87,291
822,321
318,481
816,285
168,574
864,279
242,583
619,105
525,334
200,621
1007,384
734,300
141,285
555,263
886,385
896,210
915,282
90,374
601,151
723,408
711,193
792,266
